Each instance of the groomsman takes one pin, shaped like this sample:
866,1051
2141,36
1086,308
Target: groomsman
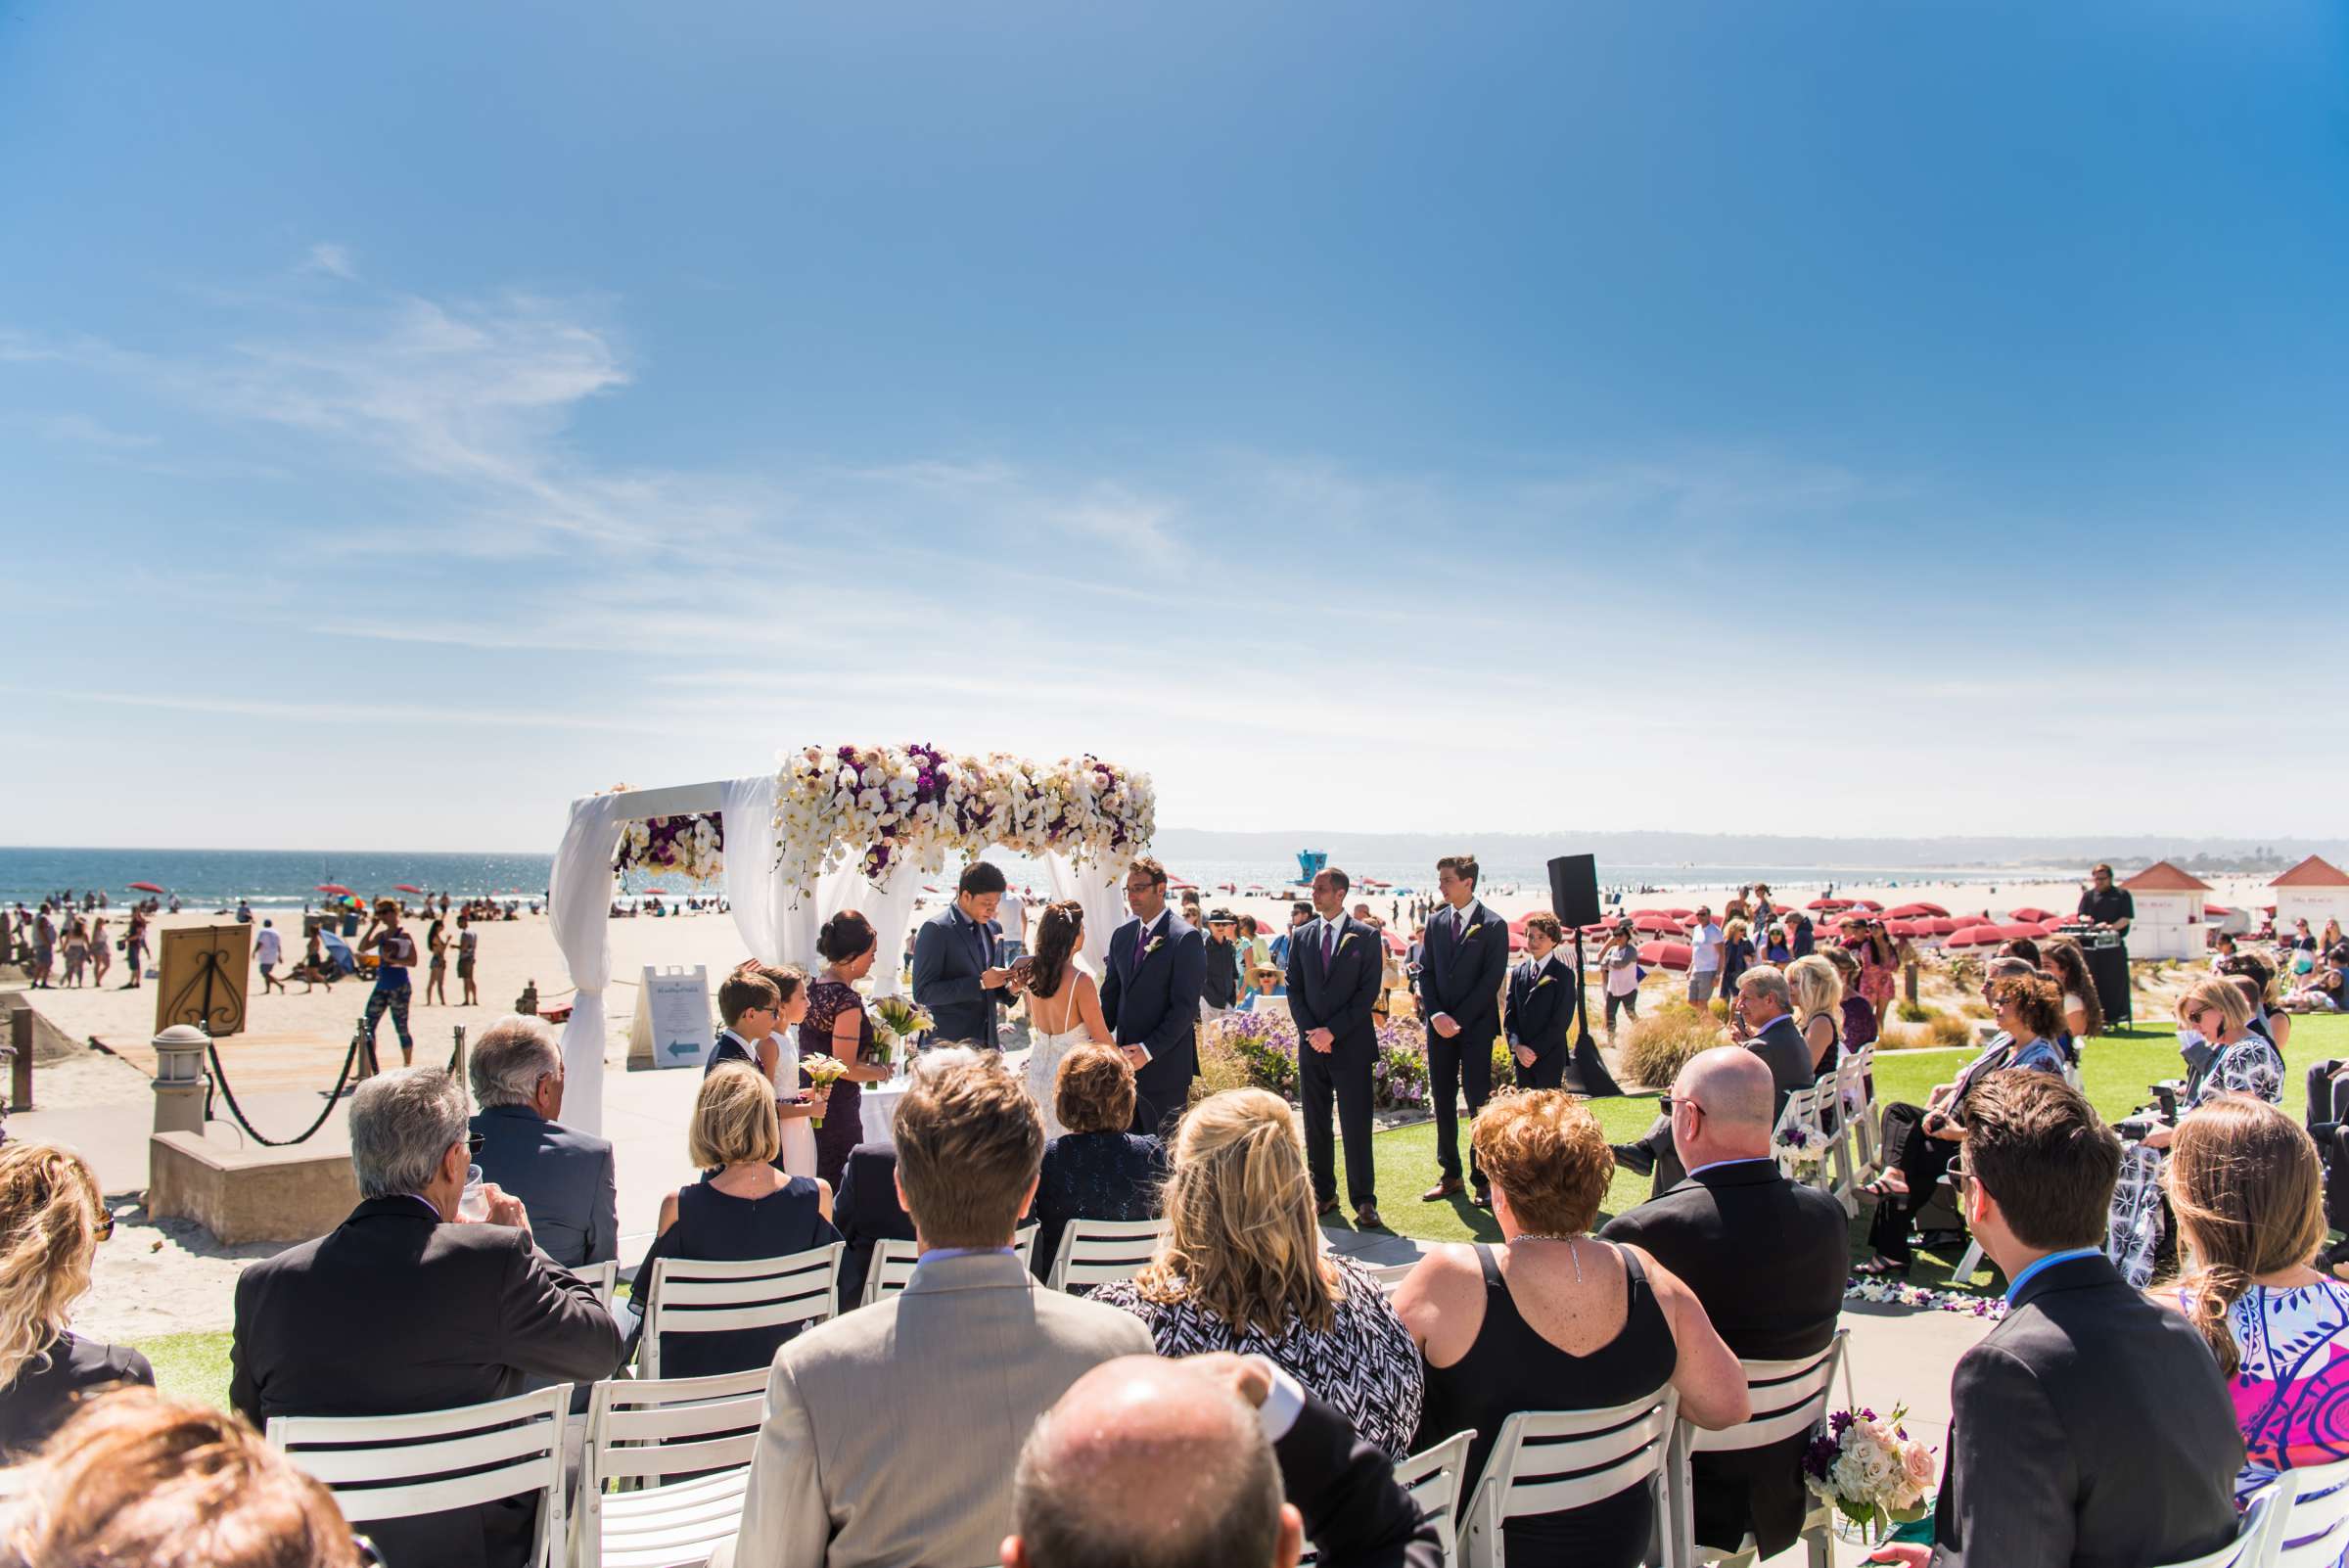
1541,1006
956,975
1150,997
1467,952
1336,969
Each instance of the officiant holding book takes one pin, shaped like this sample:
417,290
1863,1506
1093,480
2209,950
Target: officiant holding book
957,977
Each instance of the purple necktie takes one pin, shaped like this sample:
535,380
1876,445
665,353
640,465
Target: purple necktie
1141,939
1329,944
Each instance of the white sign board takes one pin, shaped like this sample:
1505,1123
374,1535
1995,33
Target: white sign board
674,1026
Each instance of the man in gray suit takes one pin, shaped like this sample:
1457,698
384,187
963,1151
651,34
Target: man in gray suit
892,1432
564,1178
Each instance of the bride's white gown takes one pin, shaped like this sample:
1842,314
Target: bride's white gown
1046,1050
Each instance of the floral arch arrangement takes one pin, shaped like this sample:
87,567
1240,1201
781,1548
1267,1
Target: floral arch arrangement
885,806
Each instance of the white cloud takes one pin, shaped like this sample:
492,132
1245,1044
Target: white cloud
335,261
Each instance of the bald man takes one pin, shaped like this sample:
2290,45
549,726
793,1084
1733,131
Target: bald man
1183,1464
1766,1255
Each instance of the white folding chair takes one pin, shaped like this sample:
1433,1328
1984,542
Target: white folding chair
894,1260
1433,1478
639,1433
440,1459
1546,1461
2311,1527
1101,1252
693,1296
1832,1111
1865,1115
2258,1535
1390,1277
602,1277
1787,1397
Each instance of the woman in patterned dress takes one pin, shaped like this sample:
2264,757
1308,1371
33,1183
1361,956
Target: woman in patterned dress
1243,1267
837,1025
1880,968
2249,1195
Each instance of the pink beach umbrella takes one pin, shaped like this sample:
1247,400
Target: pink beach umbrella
1664,954
1828,905
1655,920
2031,913
1977,936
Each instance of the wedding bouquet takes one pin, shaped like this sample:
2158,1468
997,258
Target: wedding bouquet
1800,1148
1870,1470
897,1022
823,1072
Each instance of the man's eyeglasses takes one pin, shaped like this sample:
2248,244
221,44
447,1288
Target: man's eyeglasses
474,1143
1672,1102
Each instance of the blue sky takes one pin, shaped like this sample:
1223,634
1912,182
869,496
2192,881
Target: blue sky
1822,418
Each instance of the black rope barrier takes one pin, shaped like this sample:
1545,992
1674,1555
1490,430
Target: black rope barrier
334,1097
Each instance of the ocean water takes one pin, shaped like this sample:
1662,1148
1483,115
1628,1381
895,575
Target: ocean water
289,878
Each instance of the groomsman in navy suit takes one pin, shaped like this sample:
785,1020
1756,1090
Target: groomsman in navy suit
957,979
1541,1006
1336,968
1150,997
1467,952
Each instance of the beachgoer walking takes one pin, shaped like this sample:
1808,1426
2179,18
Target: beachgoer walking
436,978
102,951
134,948
468,941
267,947
395,953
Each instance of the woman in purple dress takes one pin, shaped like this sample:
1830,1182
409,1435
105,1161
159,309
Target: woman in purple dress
837,1026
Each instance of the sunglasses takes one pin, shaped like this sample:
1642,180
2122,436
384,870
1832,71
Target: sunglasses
475,1142
104,1224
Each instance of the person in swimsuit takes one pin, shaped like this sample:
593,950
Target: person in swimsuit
394,954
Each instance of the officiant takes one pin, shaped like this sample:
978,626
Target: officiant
957,979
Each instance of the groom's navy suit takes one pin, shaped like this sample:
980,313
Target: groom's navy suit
950,954
1337,993
1467,952
1150,997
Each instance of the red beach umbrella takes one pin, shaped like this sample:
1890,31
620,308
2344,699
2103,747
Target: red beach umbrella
406,887
1905,928
1829,903
1655,920
2208,908
1599,930
1868,904
1664,954
1396,943
1977,936
1943,926
145,887
336,886
2032,912
1680,914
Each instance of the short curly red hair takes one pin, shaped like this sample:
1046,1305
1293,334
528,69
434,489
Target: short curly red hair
1550,1154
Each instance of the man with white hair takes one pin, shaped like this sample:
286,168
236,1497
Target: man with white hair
407,1306
564,1178
1153,1464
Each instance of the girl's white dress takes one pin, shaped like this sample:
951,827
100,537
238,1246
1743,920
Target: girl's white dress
798,1132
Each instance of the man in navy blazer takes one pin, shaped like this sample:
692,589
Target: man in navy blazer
1467,952
1542,1001
955,977
1336,969
564,1178
1150,997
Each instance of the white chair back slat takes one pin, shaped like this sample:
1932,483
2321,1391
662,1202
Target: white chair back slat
1433,1476
692,1296
2314,1530
1390,1277
1786,1398
891,1269
1546,1461
1101,1252
2257,1535
603,1277
513,1446
647,1430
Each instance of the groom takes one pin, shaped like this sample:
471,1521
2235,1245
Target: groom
1150,997
956,978
1467,952
1336,966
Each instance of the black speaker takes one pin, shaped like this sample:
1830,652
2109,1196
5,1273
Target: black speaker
1574,889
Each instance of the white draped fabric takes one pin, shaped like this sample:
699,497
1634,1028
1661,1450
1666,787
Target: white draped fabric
578,911
1100,889
749,818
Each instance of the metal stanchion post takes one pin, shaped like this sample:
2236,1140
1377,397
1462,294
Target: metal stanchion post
19,1060
456,1055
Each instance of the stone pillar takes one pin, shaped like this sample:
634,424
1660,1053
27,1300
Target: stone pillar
180,1083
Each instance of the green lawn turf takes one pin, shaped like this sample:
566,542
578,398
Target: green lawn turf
2118,1071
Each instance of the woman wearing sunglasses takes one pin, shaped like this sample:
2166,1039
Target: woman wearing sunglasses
51,1222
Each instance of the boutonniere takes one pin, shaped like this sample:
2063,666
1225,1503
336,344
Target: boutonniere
1349,937
1472,930
1156,943
1544,981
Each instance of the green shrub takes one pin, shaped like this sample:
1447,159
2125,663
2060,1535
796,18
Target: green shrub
1910,1012
1946,1030
1656,1047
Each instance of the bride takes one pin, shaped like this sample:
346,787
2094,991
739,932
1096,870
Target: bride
1064,1003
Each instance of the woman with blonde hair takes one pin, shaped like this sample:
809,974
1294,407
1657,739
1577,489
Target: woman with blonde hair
139,1478
1244,1267
744,1209
2244,1182
1818,992
52,1218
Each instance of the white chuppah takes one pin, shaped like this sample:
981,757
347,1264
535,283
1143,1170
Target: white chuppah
854,828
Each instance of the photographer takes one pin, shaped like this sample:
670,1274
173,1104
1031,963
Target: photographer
2029,1011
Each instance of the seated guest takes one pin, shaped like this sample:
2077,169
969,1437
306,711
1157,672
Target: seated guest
746,1210
1541,1006
866,1212
2244,1183
2267,1016
1762,1020
138,1478
2083,1009
2088,1427
52,1218
1096,1170
405,1306
564,1179
1554,1319
2027,1009
890,1431
1183,1464
1767,1259
1817,1009
1243,1267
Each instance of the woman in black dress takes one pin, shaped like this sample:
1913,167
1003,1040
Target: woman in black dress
51,1222
744,1210
1554,1319
837,1026
1096,1170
